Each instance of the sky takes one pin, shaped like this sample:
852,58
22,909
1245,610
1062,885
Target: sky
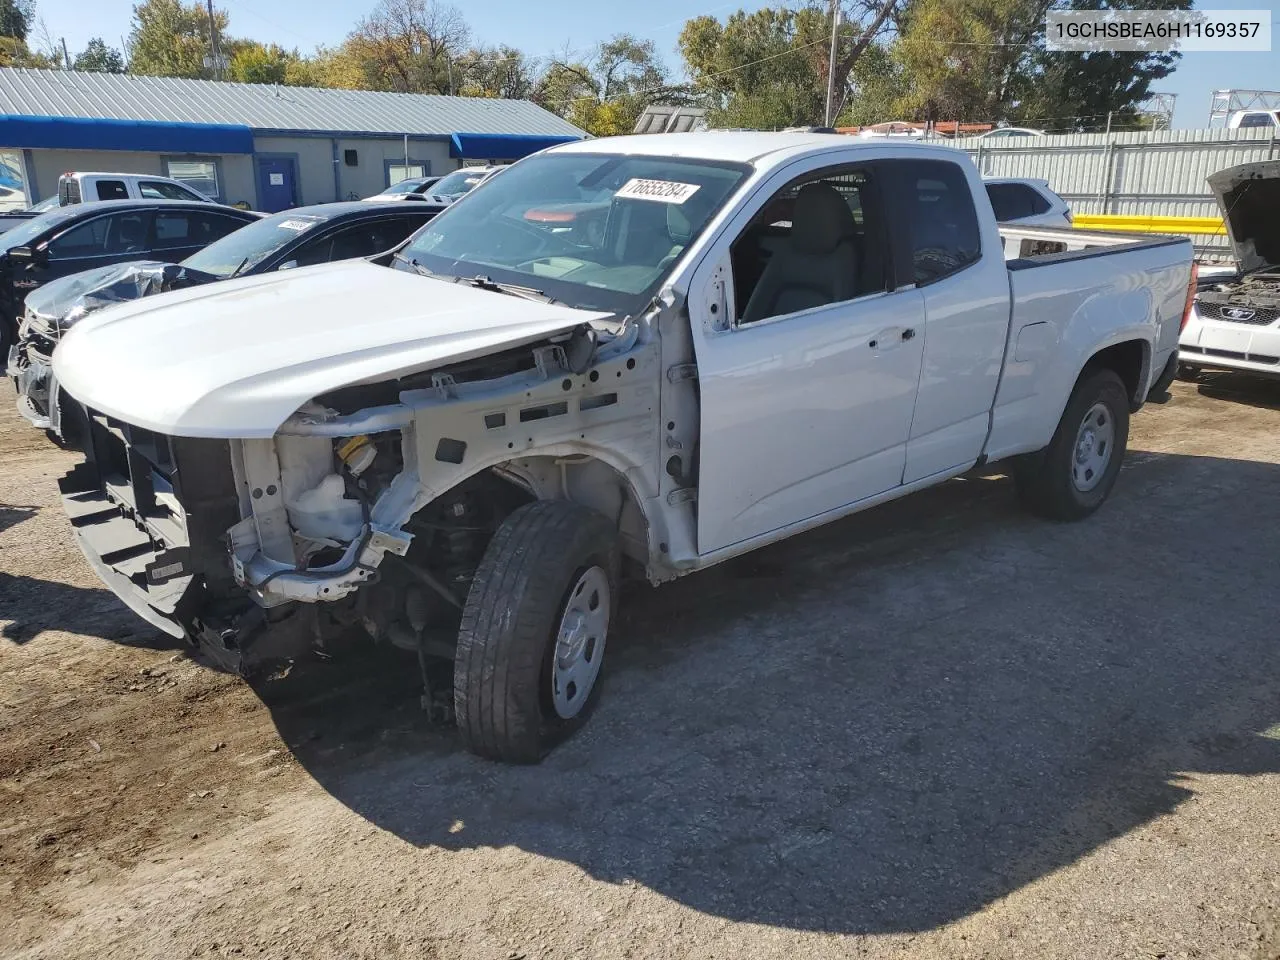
545,27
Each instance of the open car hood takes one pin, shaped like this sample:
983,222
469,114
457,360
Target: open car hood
63,302
1249,195
237,358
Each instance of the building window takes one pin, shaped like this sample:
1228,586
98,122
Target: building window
13,183
200,175
399,171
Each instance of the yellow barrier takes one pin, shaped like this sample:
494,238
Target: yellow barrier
1150,224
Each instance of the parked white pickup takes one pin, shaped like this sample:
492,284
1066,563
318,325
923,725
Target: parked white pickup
659,350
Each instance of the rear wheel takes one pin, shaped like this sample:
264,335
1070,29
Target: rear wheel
532,641
1071,477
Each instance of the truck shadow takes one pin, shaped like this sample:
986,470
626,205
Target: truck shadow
31,606
884,725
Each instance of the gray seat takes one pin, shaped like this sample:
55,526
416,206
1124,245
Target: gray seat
819,263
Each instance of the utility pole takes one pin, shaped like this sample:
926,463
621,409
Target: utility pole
213,44
831,62
66,57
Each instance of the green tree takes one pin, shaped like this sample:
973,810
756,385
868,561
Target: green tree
171,39
97,57
1074,91
503,72
606,94
986,60
769,68
252,62
15,18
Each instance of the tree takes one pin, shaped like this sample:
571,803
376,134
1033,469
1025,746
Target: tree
769,68
407,46
502,72
171,39
15,18
16,21
1074,91
986,60
606,95
97,57
253,62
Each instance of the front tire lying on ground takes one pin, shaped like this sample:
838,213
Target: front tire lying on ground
532,640
1071,477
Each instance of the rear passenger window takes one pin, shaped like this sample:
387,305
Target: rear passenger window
208,227
112,190
1011,201
938,210
817,241
172,230
157,190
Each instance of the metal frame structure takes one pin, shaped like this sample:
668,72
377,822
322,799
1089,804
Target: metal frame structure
1226,102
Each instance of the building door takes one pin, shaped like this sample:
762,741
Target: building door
276,184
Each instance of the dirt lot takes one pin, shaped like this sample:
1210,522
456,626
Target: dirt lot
939,729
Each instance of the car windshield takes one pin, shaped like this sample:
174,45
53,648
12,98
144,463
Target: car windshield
405,186
593,231
24,233
45,205
249,246
458,183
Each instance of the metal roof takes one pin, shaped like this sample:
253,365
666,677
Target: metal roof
66,93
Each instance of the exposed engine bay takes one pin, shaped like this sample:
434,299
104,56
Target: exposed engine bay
1255,299
372,506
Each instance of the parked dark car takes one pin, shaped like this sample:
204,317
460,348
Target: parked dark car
87,235
300,237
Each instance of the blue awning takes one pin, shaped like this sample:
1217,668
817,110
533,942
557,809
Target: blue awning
500,146
147,136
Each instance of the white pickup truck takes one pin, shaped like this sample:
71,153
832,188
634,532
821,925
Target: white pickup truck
658,351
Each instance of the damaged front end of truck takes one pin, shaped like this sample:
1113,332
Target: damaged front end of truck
371,505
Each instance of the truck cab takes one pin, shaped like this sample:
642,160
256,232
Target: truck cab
87,187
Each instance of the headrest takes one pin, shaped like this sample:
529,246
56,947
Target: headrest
821,220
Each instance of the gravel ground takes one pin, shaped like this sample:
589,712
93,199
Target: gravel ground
939,729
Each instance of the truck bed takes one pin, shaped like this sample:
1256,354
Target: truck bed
1069,288
1029,246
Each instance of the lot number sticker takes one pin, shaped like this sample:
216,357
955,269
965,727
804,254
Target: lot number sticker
662,191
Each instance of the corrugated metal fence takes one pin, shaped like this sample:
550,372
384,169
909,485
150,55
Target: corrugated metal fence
1161,174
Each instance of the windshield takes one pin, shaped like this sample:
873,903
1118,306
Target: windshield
406,186
458,183
24,233
593,231
247,247
45,205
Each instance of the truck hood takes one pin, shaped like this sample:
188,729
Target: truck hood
1249,195
236,359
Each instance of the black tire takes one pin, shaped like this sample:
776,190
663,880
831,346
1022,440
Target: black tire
502,678
1188,372
1044,479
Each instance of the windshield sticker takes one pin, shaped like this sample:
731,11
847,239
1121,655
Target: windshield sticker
298,225
661,191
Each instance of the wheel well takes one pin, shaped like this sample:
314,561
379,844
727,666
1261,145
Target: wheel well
1129,361
591,482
